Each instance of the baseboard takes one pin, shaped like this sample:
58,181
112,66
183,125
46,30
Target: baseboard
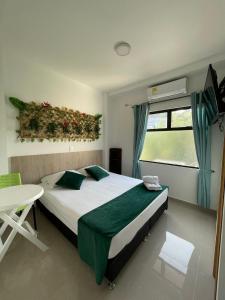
207,210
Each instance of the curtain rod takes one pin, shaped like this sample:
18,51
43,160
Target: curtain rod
169,99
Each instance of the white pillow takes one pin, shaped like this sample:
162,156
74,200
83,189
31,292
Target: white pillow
50,180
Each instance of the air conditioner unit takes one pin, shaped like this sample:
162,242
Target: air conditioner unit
168,90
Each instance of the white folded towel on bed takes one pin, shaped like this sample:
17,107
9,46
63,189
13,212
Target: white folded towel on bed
153,186
151,179
152,183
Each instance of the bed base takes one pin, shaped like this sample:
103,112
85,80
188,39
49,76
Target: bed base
116,263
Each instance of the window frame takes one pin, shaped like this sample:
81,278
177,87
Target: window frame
169,128
169,120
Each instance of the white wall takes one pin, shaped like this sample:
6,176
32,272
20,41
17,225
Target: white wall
29,81
3,148
182,181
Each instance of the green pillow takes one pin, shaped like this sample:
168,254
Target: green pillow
96,172
71,180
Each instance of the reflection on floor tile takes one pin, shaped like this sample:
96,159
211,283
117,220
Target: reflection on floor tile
180,258
172,262
175,263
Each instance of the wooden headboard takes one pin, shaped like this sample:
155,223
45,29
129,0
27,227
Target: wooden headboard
33,167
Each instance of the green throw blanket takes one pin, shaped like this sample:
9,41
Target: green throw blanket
97,228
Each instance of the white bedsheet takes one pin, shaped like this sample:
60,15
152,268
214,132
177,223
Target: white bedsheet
69,205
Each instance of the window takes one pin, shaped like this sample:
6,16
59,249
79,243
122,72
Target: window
169,138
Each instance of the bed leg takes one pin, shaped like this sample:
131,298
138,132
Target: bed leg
111,285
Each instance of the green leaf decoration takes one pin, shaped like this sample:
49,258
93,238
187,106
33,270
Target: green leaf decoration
18,103
51,128
42,121
34,124
98,116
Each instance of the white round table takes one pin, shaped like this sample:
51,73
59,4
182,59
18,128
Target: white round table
11,198
19,195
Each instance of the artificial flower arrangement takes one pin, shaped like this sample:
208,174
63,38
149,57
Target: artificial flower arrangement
43,121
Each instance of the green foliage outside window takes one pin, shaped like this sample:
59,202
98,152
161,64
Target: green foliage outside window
172,146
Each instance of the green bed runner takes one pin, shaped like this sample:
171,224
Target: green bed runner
97,228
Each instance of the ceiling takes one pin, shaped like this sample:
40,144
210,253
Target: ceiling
76,37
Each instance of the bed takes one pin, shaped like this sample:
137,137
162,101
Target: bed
64,207
64,213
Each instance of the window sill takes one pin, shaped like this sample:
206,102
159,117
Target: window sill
169,164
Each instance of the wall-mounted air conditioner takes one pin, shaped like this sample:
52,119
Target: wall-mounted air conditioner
172,89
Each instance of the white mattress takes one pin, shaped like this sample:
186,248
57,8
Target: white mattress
69,205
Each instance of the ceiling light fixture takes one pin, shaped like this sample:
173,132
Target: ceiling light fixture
122,48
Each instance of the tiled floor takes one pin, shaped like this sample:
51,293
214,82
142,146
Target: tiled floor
175,263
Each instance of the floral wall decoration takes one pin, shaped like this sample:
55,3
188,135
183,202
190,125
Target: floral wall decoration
45,122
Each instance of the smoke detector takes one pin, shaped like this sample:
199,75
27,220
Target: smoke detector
122,48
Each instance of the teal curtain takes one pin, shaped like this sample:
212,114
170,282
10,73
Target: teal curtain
141,113
204,113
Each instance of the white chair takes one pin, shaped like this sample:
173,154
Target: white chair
12,198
